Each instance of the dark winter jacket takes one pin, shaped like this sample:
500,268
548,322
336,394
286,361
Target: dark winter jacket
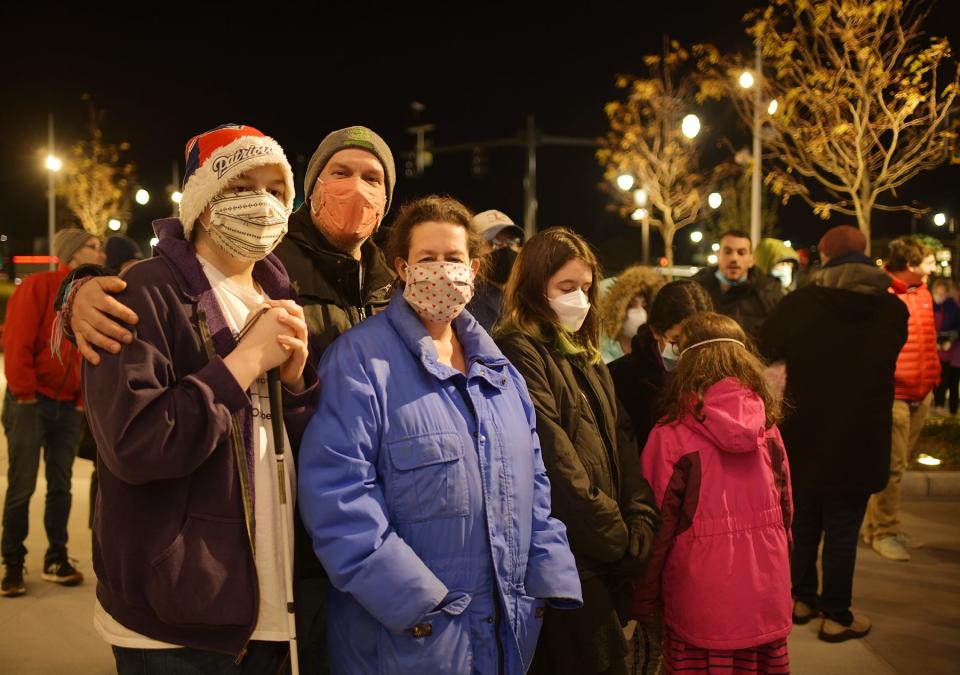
748,304
840,337
598,492
639,377
487,304
173,536
946,315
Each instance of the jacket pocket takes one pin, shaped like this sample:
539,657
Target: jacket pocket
205,577
428,478
528,616
438,643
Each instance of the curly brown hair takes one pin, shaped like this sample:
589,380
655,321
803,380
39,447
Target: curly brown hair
701,368
631,282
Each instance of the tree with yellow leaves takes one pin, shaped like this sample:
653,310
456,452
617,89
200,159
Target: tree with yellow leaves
95,179
863,98
646,141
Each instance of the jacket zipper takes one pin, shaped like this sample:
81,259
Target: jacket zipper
601,429
241,460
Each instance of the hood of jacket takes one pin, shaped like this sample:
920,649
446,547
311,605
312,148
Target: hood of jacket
732,417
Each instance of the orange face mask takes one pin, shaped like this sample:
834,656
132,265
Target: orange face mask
349,209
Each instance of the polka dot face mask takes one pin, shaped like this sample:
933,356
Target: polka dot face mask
438,291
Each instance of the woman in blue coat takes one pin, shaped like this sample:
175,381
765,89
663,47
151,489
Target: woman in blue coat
421,481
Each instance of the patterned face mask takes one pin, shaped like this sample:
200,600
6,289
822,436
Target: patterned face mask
438,291
248,225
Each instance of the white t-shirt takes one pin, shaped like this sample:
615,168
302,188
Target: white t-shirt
236,303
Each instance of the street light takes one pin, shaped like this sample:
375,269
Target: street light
114,224
746,79
154,242
53,164
640,197
142,197
940,219
712,259
696,236
625,181
715,247
176,197
638,215
788,243
772,108
714,199
690,126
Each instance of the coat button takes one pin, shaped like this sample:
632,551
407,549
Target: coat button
422,630
489,619
483,439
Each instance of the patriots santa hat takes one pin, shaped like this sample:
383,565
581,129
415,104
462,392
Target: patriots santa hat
218,156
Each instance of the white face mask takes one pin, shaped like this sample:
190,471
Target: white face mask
670,356
571,309
636,317
247,225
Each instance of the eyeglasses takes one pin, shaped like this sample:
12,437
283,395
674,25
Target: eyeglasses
497,244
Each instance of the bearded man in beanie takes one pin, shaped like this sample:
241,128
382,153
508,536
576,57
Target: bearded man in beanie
340,276
839,337
41,410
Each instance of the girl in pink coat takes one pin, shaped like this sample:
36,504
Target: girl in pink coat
719,473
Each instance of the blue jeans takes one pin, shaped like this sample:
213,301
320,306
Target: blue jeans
54,426
262,658
837,519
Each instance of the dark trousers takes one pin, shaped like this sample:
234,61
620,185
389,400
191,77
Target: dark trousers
262,658
310,594
836,519
949,382
55,427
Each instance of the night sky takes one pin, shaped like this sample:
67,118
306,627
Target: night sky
164,72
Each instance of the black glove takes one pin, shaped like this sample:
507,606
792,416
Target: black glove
639,546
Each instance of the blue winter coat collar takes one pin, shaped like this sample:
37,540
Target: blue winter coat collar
483,357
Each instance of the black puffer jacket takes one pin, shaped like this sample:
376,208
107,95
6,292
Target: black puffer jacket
748,304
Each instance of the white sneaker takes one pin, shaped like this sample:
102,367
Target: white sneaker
890,548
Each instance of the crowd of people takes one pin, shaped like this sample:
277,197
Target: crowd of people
462,451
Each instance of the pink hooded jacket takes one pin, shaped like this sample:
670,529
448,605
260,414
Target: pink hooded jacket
721,560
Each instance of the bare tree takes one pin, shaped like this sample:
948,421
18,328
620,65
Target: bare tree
646,141
862,100
96,180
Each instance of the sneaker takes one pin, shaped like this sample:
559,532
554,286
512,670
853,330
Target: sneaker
907,541
890,548
834,631
62,572
803,613
12,584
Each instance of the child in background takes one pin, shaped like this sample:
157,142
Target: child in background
717,466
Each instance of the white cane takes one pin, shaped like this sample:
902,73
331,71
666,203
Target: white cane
276,421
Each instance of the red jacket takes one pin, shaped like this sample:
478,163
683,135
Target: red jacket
918,366
28,365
